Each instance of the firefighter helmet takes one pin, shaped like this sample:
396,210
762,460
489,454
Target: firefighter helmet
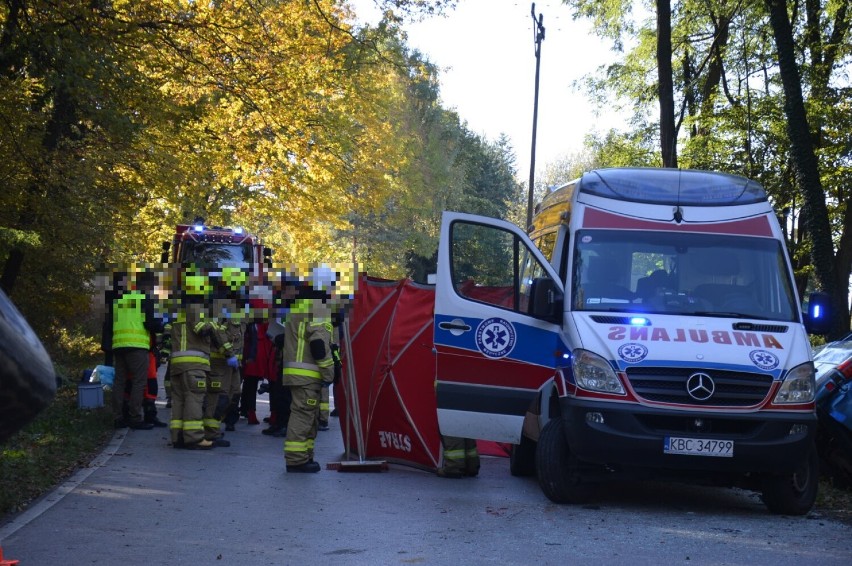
196,285
323,278
234,278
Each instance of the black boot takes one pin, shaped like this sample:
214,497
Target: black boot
149,409
306,468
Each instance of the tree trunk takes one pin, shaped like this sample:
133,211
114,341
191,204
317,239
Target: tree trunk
805,164
668,135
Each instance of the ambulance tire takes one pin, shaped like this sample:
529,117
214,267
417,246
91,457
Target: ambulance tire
556,467
27,378
793,494
522,458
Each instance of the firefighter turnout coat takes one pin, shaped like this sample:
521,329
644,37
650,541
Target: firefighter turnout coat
307,367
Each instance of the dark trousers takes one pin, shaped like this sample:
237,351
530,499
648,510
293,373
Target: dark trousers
129,362
248,399
280,398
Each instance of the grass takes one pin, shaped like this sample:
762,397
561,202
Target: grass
834,502
60,440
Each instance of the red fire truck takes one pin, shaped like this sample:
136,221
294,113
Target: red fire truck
215,247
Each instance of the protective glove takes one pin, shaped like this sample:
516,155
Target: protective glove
233,362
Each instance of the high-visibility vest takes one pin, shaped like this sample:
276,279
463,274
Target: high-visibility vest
128,322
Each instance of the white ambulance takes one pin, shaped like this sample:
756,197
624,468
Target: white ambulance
649,326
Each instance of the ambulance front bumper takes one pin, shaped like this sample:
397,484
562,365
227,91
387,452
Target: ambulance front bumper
632,436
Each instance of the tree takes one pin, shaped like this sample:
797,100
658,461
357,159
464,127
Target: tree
665,84
731,95
123,119
805,164
75,109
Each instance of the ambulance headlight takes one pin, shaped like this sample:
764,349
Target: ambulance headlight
594,373
798,387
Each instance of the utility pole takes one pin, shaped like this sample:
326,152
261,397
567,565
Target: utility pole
538,37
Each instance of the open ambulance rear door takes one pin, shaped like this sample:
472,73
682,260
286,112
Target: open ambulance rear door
498,319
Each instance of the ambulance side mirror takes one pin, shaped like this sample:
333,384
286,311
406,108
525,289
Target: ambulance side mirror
546,300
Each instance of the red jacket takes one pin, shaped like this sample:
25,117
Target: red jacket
259,352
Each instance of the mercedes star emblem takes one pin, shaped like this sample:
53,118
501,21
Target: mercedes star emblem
700,386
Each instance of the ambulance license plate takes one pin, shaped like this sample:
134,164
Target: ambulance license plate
698,447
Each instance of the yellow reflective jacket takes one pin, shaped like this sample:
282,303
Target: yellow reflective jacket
308,320
128,322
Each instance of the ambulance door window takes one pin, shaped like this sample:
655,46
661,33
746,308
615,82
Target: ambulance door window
484,264
493,266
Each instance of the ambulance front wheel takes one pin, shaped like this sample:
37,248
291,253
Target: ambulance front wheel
795,493
556,466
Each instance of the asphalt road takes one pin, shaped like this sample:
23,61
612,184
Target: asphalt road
142,502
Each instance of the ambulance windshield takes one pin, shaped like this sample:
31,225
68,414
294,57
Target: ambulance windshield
677,273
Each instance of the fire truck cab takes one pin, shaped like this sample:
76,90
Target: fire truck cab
211,247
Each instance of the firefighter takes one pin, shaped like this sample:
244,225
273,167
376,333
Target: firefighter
223,384
325,407
193,335
236,282
308,367
164,350
461,457
133,323
337,324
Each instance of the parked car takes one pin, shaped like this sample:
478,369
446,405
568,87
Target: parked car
834,409
27,378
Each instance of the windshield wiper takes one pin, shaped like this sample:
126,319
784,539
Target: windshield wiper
721,314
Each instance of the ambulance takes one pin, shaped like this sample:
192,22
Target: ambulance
646,326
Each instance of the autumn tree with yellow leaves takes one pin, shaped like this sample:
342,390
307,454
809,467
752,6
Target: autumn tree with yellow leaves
123,118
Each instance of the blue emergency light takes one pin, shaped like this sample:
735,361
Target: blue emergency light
639,321
819,317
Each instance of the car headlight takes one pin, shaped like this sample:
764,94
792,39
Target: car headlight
798,387
594,373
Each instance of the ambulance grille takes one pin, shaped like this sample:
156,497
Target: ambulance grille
668,385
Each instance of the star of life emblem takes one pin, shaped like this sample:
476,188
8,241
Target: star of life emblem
632,352
495,337
763,359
